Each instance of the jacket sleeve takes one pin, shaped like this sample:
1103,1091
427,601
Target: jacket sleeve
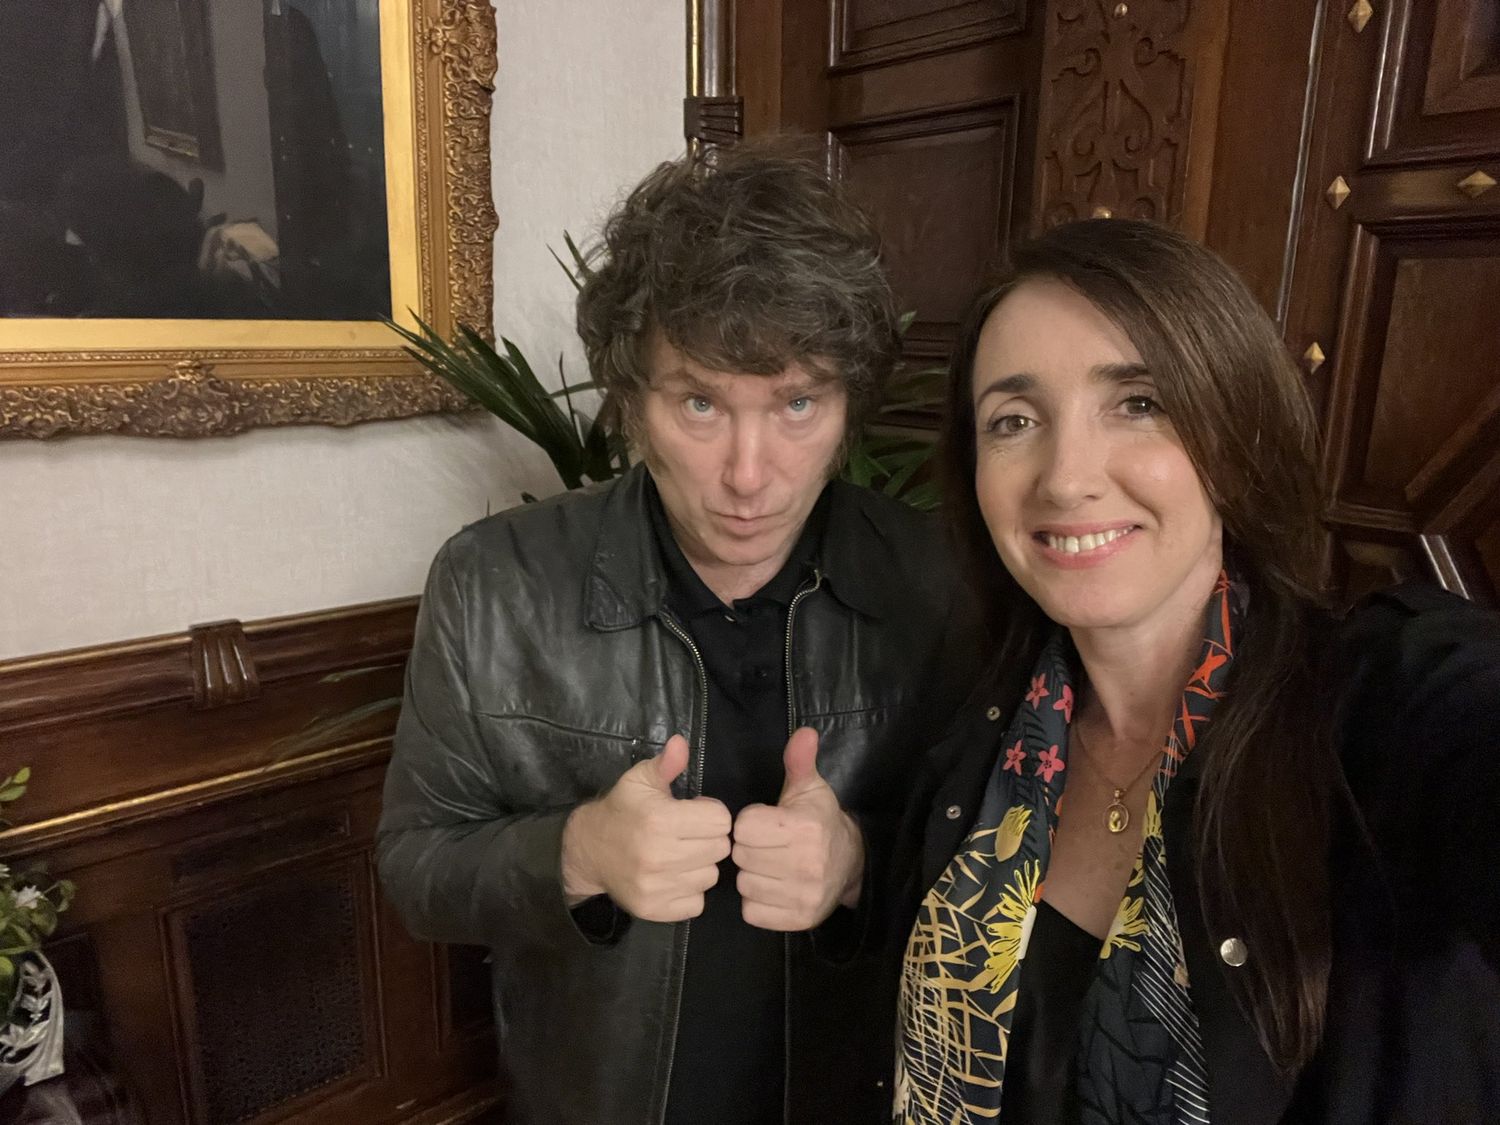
1424,720
456,860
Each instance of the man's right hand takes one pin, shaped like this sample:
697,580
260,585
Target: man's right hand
653,854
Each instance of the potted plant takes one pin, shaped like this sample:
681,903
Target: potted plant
31,1009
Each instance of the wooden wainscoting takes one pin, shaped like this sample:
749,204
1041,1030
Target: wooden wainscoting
228,954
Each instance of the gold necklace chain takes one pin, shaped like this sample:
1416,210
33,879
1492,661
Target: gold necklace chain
1116,815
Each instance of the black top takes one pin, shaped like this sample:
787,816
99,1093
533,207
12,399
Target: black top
1039,1063
729,1062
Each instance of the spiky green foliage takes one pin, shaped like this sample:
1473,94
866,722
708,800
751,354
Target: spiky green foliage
581,448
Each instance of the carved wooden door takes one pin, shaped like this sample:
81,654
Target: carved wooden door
961,123
1395,298
925,109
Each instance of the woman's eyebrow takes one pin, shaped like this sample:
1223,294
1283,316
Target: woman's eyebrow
1016,384
1119,372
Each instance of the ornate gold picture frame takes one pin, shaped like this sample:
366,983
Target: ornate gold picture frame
200,377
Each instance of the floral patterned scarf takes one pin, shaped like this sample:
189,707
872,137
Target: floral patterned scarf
1140,1053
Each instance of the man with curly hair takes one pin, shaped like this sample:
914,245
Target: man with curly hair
656,733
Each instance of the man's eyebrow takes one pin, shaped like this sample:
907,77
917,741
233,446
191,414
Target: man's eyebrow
684,378
801,385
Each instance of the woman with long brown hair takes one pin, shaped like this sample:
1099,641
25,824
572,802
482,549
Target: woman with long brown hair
1202,850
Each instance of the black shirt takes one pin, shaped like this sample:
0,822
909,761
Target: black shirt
1040,1067
729,1062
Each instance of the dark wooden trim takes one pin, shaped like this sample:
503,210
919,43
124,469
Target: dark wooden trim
132,733
713,121
131,676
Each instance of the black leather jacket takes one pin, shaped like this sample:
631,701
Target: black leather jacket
545,665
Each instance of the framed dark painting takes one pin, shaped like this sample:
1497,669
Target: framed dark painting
209,208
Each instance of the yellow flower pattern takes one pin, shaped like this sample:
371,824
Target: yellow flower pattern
936,999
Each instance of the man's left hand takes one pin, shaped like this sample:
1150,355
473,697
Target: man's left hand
801,857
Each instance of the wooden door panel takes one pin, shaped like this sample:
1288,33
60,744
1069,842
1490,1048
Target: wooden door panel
939,188
1418,373
1441,94
1395,290
1413,441
1466,45
885,31
925,110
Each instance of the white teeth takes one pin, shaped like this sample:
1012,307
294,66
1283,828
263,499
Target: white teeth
1077,544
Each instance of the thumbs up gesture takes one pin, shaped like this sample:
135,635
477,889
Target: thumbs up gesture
801,857
653,854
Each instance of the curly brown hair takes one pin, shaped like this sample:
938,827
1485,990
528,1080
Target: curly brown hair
746,260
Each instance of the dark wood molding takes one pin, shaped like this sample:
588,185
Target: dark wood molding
713,121
138,731
135,675
710,49
882,37
713,113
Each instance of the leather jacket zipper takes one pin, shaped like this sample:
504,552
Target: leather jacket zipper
786,941
791,616
695,789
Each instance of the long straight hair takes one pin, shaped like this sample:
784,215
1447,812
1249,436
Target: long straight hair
1238,405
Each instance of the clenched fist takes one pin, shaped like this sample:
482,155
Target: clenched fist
801,857
653,854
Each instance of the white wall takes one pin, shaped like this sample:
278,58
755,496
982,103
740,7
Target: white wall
105,538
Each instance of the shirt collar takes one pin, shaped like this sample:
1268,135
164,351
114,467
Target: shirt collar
689,594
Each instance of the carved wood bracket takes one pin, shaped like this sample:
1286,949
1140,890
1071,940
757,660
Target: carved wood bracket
223,670
714,121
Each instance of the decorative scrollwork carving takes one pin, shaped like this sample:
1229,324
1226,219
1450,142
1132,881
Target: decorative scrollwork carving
464,39
1116,106
192,402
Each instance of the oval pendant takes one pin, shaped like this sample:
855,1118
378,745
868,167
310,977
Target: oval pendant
1116,817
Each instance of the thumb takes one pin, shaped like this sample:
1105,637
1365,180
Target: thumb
670,763
801,762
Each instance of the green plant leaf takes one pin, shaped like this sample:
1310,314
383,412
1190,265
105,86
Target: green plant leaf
319,733
570,389
581,265
574,278
924,497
